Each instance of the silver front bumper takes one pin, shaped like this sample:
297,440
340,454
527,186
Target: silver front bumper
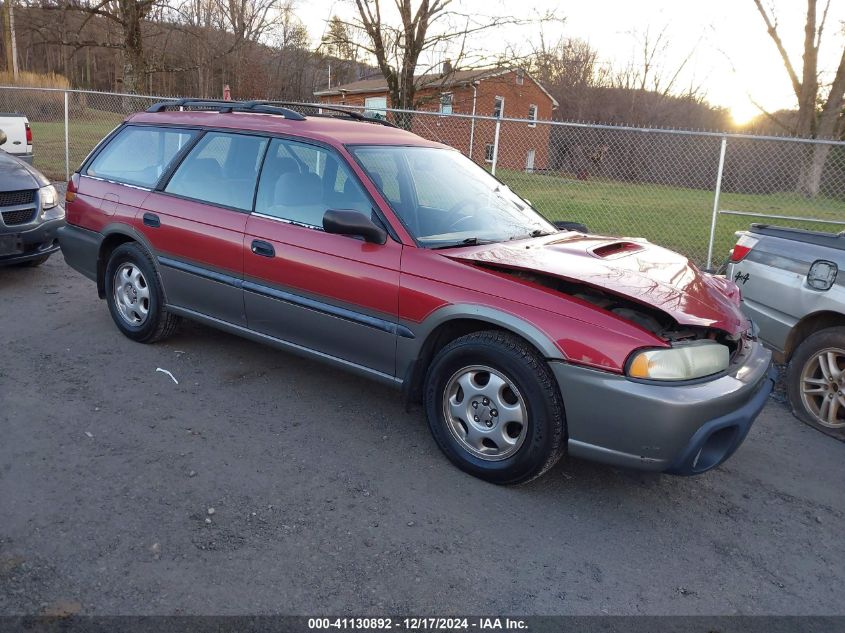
651,426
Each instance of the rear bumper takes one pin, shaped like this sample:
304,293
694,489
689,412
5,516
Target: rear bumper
34,243
81,249
682,429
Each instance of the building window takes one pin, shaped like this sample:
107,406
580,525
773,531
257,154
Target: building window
532,115
499,107
488,152
375,107
520,77
446,103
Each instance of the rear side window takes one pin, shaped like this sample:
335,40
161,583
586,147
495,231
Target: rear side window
139,155
221,169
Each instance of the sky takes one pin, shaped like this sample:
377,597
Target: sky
732,57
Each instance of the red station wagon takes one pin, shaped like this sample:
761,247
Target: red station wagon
396,257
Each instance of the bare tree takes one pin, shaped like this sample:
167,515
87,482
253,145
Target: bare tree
571,70
655,67
819,116
422,31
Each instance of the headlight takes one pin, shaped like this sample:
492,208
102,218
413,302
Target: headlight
685,362
50,208
49,197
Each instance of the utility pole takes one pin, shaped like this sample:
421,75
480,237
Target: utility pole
9,38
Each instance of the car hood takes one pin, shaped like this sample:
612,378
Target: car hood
16,174
632,268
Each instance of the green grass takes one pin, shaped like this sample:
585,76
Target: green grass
674,217
84,132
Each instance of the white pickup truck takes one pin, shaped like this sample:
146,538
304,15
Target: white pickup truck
18,135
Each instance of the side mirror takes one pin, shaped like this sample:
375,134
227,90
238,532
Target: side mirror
347,222
3,137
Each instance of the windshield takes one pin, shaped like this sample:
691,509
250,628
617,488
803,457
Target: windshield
444,199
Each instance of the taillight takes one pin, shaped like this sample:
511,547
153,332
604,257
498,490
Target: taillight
743,247
72,187
28,134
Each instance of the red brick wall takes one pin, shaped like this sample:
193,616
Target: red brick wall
515,139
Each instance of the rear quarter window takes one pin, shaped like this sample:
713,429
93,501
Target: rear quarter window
139,155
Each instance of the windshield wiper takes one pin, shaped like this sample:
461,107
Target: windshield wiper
539,233
470,241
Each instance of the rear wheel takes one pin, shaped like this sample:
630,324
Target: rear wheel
134,296
494,408
816,381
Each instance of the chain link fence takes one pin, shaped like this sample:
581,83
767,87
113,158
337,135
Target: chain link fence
688,191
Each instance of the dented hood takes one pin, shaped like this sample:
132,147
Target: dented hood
632,268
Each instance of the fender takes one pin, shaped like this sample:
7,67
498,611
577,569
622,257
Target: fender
411,353
126,230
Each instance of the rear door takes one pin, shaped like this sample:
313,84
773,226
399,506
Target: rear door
334,294
195,222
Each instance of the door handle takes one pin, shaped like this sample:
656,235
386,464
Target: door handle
265,249
151,219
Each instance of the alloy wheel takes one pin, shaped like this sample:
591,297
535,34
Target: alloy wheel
823,387
131,294
485,412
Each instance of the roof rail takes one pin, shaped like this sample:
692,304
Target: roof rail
352,114
259,107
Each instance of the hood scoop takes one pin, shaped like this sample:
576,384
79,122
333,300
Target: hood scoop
615,249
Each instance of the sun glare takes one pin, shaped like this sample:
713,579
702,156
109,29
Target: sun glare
743,112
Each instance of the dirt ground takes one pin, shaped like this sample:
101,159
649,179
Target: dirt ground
262,483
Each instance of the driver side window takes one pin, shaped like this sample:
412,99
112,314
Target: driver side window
300,182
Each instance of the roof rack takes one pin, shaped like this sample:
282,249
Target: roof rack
281,108
352,114
259,107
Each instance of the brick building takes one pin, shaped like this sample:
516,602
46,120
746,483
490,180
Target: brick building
511,93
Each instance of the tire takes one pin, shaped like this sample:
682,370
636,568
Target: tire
816,381
136,301
478,374
34,263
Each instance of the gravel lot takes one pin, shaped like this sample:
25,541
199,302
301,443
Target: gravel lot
328,497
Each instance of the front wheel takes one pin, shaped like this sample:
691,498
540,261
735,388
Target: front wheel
135,297
816,381
494,407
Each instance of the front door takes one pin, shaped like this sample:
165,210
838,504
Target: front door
333,294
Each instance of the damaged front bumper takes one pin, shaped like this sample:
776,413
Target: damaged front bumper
681,428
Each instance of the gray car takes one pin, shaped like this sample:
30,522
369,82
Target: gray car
793,290
30,213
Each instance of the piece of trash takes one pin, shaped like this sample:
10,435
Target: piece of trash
207,520
89,434
164,371
211,510
62,609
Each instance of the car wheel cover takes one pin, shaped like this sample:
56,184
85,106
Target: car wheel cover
485,412
822,385
131,294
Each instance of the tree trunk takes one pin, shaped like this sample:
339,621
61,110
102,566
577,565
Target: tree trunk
7,35
133,51
811,177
